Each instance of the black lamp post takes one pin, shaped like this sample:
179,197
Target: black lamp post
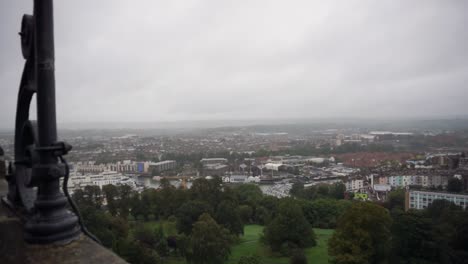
34,180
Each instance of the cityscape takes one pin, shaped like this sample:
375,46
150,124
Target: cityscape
369,163
409,168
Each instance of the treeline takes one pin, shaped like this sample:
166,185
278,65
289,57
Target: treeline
371,233
201,224
326,149
303,150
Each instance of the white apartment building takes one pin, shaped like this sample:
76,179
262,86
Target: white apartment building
107,177
422,199
354,185
162,165
421,180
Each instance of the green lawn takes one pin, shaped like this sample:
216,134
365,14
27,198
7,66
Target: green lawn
168,227
319,253
250,245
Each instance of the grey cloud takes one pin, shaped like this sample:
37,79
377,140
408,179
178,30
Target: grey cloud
191,60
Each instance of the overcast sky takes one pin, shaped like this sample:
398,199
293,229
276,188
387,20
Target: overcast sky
213,60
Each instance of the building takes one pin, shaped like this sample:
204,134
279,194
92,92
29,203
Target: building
445,160
215,169
419,180
143,167
273,166
354,185
89,167
208,161
238,178
382,187
127,166
463,163
422,199
161,166
382,180
78,181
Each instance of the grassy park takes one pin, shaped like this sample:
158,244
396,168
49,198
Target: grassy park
250,245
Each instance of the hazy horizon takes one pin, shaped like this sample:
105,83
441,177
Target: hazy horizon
206,61
398,123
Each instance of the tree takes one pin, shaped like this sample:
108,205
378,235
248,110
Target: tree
228,216
245,212
133,252
111,194
117,225
144,235
95,195
161,246
441,210
338,190
125,194
459,237
90,196
167,201
137,207
266,209
262,215
396,199
362,235
310,193
298,257
152,207
210,243
289,229
455,185
297,189
207,190
249,194
95,220
165,184
412,241
323,213
188,214
323,190
254,259
152,239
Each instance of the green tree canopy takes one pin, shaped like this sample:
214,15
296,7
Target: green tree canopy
362,235
249,194
254,259
298,257
297,189
207,190
396,199
412,241
455,185
289,228
209,243
228,216
189,213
